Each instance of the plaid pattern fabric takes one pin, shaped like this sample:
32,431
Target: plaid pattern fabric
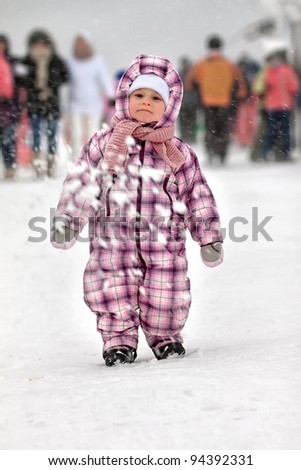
133,292
137,271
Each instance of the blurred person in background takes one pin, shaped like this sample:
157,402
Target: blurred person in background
218,81
247,113
110,103
10,71
91,91
258,89
46,72
190,105
281,85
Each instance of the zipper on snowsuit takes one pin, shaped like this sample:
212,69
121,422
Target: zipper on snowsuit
166,179
138,206
108,209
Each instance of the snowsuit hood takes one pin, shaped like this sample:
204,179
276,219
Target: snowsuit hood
160,66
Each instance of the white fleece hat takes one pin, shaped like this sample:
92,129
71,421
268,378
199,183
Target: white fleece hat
152,81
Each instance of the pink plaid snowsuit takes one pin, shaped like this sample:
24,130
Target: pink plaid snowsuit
137,271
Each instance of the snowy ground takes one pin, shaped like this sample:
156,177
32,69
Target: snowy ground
240,389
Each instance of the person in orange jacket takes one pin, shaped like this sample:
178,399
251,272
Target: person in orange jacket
220,83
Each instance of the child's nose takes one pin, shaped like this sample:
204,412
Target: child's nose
146,100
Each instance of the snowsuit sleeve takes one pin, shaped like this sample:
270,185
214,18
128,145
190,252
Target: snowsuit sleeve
201,218
79,199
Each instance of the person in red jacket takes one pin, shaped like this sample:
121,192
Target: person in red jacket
281,86
9,109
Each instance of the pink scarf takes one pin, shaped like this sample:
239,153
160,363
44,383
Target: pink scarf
116,152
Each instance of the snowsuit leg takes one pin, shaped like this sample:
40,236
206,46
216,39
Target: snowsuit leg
116,307
111,286
118,328
164,300
160,293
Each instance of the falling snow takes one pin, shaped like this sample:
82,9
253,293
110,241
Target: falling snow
239,389
239,386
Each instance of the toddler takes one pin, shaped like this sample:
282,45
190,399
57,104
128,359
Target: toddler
140,188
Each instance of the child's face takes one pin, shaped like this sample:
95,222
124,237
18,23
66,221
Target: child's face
146,105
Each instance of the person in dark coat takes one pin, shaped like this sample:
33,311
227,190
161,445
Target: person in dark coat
9,107
190,105
46,72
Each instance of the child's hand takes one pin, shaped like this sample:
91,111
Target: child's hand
213,254
62,237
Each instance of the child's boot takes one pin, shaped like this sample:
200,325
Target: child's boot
119,355
163,349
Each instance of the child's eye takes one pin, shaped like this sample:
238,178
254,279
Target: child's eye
139,95
157,98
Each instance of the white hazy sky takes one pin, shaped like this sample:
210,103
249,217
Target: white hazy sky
123,29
